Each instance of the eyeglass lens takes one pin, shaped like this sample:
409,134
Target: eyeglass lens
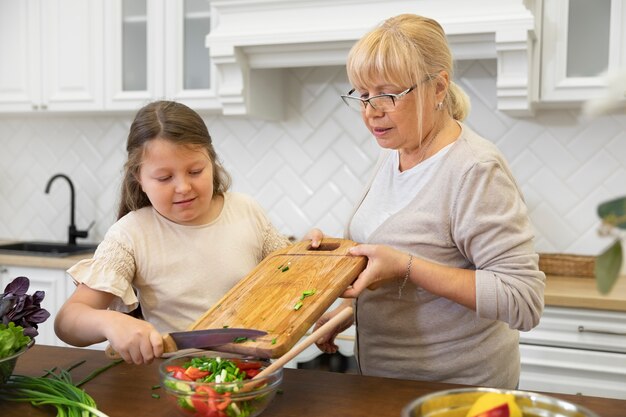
382,103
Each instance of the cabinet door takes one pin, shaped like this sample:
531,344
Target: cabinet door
53,282
20,82
51,55
71,50
573,371
134,53
189,74
581,40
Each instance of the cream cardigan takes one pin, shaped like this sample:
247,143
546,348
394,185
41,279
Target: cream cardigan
471,215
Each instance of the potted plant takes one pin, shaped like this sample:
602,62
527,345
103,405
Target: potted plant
609,263
613,213
20,315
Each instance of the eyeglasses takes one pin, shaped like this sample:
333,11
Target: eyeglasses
382,102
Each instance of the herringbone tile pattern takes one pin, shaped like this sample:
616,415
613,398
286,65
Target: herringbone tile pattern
309,169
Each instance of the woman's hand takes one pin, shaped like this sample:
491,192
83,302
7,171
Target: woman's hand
383,265
136,341
327,343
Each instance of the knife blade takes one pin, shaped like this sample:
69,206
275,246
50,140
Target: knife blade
198,339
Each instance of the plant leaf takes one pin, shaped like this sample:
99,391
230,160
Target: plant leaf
614,212
18,286
608,266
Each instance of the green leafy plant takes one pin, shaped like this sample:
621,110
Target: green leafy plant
20,315
609,262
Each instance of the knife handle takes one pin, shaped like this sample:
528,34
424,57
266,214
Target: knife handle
110,353
169,346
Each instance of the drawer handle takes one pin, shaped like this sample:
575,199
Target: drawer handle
582,329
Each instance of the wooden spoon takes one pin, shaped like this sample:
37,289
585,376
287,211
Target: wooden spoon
327,327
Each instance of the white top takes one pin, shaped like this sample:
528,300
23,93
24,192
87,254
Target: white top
178,272
391,191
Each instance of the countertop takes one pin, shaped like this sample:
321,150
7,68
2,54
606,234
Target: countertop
561,291
42,261
126,390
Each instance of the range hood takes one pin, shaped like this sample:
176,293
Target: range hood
252,41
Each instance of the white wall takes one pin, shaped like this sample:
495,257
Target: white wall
308,169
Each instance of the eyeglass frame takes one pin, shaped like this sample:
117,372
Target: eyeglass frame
366,101
393,97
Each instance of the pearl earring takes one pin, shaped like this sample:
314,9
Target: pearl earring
439,106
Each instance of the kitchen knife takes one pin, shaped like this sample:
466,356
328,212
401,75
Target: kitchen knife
199,339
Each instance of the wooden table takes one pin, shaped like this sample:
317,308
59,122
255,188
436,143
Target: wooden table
126,390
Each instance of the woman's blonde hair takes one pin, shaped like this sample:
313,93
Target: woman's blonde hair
174,122
406,50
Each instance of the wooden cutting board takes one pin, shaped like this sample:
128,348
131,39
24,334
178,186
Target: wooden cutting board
267,297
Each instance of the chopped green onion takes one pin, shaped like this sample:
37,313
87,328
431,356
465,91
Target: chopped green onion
155,395
285,269
306,294
298,306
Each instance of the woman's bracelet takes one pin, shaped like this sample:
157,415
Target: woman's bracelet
406,276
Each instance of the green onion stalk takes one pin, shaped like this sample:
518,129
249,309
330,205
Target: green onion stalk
56,390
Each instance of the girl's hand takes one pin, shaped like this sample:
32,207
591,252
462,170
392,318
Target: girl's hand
315,236
383,265
327,343
135,340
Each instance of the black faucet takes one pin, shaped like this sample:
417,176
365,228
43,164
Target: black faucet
73,233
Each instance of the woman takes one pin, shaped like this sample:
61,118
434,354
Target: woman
452,273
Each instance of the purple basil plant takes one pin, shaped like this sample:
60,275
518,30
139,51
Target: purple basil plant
22,309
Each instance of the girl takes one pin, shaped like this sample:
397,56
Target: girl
180,243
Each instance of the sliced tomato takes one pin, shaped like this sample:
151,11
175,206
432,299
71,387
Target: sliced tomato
195,373
200,404
248,365
208,391
251,373
174,368
223,403
181,375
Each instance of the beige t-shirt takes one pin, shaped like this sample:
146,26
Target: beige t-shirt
178,272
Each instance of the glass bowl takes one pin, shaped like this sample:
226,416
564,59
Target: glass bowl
195,397
7,364
457,402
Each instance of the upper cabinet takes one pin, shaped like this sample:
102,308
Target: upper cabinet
90,55
156,50
51,55
581,41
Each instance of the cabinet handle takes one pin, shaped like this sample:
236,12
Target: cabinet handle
582,329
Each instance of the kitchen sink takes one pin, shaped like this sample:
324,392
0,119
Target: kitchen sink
55,249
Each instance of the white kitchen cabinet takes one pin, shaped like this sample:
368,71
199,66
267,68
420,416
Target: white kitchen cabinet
155,50
576,351
51,54
53,282
580,41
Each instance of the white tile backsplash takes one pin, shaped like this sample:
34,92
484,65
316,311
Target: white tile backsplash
308,169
